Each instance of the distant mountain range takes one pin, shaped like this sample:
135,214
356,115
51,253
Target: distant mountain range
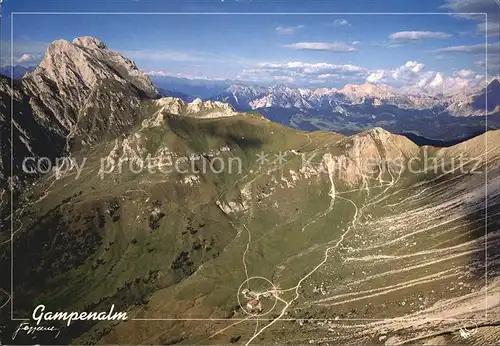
15,72
469,103
348,110
477,103
248,96
353,108
282,96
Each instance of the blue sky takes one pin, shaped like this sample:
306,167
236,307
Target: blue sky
317,50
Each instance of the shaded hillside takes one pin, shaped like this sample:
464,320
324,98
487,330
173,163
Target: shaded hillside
421,141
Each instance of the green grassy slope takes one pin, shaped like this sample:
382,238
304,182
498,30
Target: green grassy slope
178,247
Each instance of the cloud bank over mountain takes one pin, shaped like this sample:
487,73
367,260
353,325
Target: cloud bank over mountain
412,74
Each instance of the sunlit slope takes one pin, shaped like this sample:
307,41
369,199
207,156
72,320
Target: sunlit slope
405,240
114,234
338,231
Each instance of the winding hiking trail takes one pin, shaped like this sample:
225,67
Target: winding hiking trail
428,221
297,294
355,219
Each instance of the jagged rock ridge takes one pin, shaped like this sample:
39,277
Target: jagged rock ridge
282,96
74,77
486,101
81,93
457,103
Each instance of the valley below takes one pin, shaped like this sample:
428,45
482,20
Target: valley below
428,125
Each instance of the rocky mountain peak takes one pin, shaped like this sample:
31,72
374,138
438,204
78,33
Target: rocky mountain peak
379,132
367,89
74,77
247,89
494,84
480,102
380,143
89,42
197,109
85,62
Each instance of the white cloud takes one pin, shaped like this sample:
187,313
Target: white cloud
417,35
464,73
471,6
340,47
329,76
475,10
450,84
27,58
302,72
376,76
413,76
408,74
411,72
480,63
435,82
311,67
386,44
163,73
472,49
33,48
414,66
491,29
492,66
288,30
341,22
